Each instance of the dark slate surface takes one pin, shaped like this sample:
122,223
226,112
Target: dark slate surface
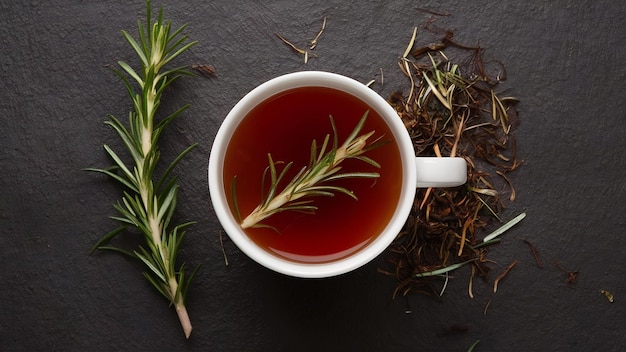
565,61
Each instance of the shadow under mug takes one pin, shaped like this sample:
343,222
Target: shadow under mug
417,172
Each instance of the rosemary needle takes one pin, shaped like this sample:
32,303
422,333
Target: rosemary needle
146,205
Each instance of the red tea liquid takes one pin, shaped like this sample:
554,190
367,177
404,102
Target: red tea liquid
285,125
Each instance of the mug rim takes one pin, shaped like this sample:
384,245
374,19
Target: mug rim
311,79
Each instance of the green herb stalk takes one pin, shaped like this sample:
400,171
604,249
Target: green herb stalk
148,203
312,180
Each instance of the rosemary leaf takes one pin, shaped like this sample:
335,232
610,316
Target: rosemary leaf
445,269
354,175
107,238
504,227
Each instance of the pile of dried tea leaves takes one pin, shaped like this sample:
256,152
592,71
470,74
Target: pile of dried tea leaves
452,109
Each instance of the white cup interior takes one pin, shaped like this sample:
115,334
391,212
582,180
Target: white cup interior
269,89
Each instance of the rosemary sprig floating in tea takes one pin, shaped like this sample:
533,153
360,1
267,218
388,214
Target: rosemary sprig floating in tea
324,166
148,205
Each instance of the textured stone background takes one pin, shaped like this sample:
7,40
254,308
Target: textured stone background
565,61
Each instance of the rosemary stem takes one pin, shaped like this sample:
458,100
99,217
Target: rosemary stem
155,226
260,213
146,141
181,310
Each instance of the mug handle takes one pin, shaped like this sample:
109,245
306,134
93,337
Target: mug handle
440,172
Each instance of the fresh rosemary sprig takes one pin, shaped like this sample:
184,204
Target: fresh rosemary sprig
311,180
146,205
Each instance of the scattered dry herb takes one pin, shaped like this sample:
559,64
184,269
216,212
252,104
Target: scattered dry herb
571,275
223,250
502,275
294,47
487,305
204,69
534,252
315,40
453,108
312,44
608,295
471,348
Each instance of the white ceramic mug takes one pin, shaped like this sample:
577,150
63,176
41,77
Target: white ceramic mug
416,172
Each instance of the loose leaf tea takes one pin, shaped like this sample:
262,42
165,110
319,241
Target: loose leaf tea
149,202
452,109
